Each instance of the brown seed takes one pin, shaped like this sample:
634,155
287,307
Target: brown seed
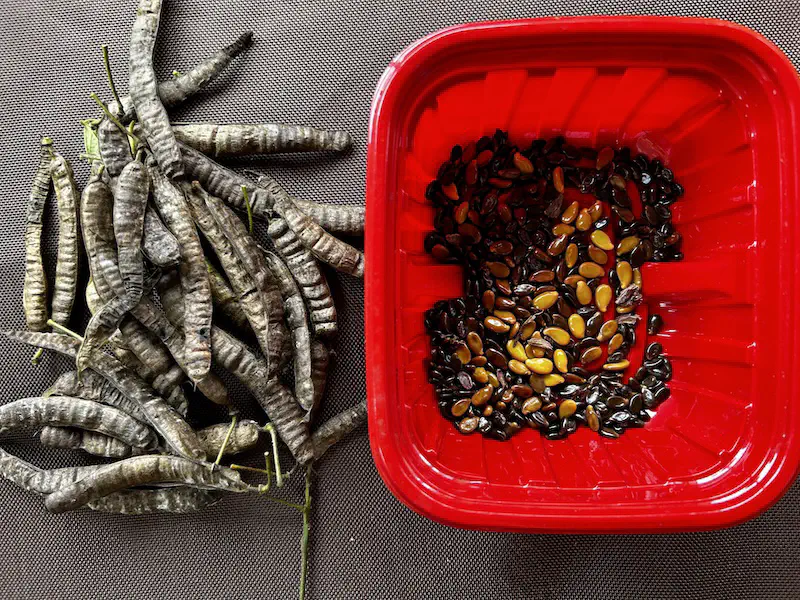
596,211
615,342
451,191
503,286
440,252
475,343
571,255
577,326
524,165
597,255
557,246
527,329
495,324
468,425
488,300
506,316
483,395
601,240
516,350
591,418
604,157
558,179
602,296
522,391
488,410
462,353
460,214
624,273
518,367
571,212
480,375
617,366
501,406
484,158
560,360
563,229
553,379
493,378
574,280
504,212
474,216
541,366
514,330
470,232
499,183
618,182
607,331
558,335
537,383
591,354
471,173
498,269
591,270
531,405
501,248
637,278
543,276
545,300
627,244
478,361
584,220
567,408
459,408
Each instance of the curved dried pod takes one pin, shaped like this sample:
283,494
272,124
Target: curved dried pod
34,290
67,197
91,386
338,427
158,244
178,500
320,361
92,443
244,437
225,300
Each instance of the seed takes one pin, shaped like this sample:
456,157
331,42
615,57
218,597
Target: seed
597,255
514,330
591,418
518,367
483,395
459,408
596,211
560,360
505,316
567,408
498,269
460,214
635,404
557,246
591,270
495,324
478,361
618,182
602,296
615,343
627,244
573,280
558,335
569,215
577,326
637,278
462,353
591,354
522,391
471,233
624,273
531,405
541,366
654,324
503,286
500,183
609,433
563,229
601,240
604,157
516,350
537,383
543,276
553,380
584,220
493,379
571,255
558,179
501,248
488,300
480,375
484,158
624,310
584,293
471,173
545,300
653,351
487,411
468,425
527,329
617,366
607,331
451,191
475,343
524,165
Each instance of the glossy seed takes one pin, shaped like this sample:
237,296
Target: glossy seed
653,351
498,269
602,296
596,211
627,244
615,342
503,286
558,179
558,335
557,246
591,418
471,173
604,157
516,350
468,425
527,329
607,331
609,433
451,191
478,361
601,240
514,330
654,324
537,383
563,229
524,165
484,158
488,299
560,360
591,270
480,375
522,391
624,273
460,214
617,366
482,396
577,326
571,255
475,343
541,366
624,310
462,353
531,405
543,276
584,220
597,255
506,316
574,280
567,409
518,367
553,379
501,248
493,378
584,293
545,300
637,278
591,354
618,182
496,325
459,408
571,212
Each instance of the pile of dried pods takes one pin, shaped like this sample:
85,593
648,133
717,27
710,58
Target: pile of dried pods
153,202
542,337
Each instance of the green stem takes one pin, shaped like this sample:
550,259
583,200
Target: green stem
274,435
306,534
37,356
236,467
249,209
112,118
177,74
107,65
226,440
66,331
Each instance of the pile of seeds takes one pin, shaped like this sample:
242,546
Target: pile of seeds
543,334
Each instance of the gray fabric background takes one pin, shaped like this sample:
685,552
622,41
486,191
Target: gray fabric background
314,62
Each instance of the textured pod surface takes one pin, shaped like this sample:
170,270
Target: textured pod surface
93,443
244,437
92,386
66,282
179,500
34,290
338,427
115,150
33,479
225,299
158,244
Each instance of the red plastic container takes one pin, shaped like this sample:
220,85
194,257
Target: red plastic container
721,106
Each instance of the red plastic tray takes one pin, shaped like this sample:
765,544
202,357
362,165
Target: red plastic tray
720,105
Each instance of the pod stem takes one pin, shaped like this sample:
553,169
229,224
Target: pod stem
37,356
65,330
107,66
226,441
306,535
274,435
112,118
249,209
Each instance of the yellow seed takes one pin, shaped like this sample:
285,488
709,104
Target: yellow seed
584,293
597,255
571,255
532,351
480,375
591,354
560,360
601,240
596,211
617,366
518,367
545,300
591,270
542,366
591,418
615,342
624,273
577,326
537,383
493,380
483,395
637,278
602,296
570,213
531,405
514,330
567,409
558,335
475,343
495,324
462,353
573,280
528,328
459,408
627,244
553,379
478,361
563,229
505,316
516,350
607,331
624,310
584,220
